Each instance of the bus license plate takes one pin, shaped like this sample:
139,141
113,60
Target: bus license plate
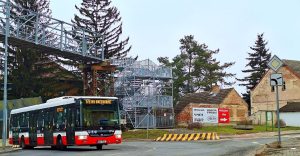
101,141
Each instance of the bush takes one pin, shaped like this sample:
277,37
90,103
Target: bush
124,128
282,124
245,122
196,125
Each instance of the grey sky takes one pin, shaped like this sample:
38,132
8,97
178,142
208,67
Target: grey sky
155,26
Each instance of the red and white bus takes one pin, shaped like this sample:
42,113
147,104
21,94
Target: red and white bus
67,121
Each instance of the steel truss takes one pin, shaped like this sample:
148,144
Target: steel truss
48,34
145,92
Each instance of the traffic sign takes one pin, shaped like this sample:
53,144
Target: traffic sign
224,116
276,79
275,63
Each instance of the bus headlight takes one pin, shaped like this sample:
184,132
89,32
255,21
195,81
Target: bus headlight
82,137
118,134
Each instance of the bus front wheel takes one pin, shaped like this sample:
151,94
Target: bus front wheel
99,147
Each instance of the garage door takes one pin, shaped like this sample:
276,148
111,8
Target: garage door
291,118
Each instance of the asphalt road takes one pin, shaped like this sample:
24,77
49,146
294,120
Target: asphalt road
208,148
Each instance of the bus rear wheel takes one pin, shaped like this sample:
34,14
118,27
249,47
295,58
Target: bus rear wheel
99,147
22,143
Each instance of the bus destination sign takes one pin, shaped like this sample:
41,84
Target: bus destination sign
101,102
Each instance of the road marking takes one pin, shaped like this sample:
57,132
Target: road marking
257,143
185,137
169,138
164,137
208,136
203,136
179,137
191,137
197,136
174,137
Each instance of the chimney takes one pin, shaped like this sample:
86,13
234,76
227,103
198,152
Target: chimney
215,89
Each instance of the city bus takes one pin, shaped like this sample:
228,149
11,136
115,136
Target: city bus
67,121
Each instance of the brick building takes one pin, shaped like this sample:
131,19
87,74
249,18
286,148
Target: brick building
263,97
217,98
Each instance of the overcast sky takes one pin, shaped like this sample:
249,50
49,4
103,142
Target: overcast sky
155,26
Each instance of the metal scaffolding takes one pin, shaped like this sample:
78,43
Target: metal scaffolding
146,93
46,34
23,28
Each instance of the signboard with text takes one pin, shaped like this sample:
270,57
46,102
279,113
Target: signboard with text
205,115
224,115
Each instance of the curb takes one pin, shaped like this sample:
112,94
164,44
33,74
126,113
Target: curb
8,150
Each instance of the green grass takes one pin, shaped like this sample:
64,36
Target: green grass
221,130
142,134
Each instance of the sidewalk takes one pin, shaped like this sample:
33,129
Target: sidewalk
8,148
289,147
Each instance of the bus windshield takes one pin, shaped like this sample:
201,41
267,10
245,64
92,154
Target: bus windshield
95,115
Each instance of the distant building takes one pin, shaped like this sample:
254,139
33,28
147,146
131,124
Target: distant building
263,104
217,98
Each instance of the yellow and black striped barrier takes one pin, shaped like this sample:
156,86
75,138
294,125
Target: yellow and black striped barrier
188,137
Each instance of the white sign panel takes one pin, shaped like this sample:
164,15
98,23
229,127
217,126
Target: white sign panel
276,79
205,115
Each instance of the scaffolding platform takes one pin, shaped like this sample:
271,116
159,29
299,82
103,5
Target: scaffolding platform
145,92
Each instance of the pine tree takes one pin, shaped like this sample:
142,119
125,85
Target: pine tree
99,16
258,60
195,69
28,68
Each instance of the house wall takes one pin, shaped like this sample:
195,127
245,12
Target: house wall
263,99
237,107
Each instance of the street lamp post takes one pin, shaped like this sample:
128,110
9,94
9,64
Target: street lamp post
4,131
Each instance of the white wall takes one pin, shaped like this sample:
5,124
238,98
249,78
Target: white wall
291,118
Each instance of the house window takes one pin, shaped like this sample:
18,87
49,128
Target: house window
283,86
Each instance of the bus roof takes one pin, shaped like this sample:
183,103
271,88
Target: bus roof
64,100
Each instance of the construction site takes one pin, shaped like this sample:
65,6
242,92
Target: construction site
145,90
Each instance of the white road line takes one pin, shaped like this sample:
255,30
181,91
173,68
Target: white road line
257,143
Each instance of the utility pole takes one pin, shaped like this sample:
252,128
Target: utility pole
278,117
4,131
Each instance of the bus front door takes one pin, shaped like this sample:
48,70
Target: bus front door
70,127
32,129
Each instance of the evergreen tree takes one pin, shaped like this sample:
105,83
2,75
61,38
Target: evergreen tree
25,73
258,60
195,69
99,16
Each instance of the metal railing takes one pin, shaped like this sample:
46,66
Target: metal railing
31,27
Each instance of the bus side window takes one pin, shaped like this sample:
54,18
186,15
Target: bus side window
77,117
40,119
59,119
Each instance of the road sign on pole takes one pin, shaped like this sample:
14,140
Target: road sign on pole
275,63
275,80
